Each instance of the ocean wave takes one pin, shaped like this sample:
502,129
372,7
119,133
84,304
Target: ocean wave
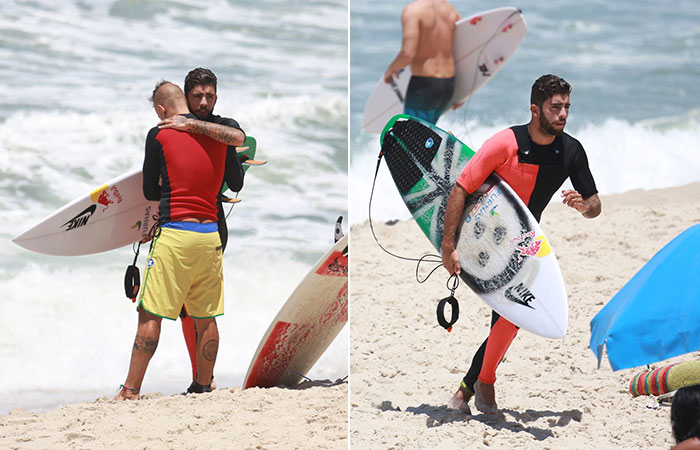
92,329
623,156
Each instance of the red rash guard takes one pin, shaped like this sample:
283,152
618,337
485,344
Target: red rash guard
191,167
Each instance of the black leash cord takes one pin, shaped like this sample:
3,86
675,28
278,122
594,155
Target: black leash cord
132,278
231,208
437,259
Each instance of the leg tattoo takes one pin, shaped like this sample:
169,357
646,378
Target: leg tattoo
210,349
147,345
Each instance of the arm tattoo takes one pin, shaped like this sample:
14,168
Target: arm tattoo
221,133
210,349
147,345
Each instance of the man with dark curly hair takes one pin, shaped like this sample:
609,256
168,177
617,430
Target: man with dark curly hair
200,91
534,159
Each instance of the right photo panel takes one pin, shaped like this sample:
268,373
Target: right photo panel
524,207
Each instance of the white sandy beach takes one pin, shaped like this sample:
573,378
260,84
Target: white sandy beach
302,418
405,367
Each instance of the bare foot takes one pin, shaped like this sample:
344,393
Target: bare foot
126,393
485,398
460,401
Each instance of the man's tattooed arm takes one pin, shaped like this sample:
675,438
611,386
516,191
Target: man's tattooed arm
221,133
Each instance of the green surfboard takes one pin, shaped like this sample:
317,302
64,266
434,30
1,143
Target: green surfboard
247,152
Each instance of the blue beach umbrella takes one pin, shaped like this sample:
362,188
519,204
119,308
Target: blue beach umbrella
656,315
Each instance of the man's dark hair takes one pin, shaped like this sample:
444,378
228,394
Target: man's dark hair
685,413
199,76
155,89
546,87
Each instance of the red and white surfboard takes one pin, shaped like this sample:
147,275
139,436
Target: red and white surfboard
306,325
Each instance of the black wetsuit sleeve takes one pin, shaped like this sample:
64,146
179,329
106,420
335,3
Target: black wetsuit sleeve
234,174
581,177
151,166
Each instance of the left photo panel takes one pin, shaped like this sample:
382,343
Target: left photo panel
174,192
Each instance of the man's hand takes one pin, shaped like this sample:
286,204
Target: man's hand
450,260
458,105
589,207
573,199
389,76
176,122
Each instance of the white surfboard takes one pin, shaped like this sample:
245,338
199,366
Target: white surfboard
306,325
505,257
482,45
109,217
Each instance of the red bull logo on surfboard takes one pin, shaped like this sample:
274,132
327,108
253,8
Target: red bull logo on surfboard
527,245
106,196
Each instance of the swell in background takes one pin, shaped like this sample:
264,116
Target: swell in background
634,68
75,83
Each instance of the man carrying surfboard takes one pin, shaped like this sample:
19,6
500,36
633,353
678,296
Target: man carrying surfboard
200,91
184,171
535,160
426,45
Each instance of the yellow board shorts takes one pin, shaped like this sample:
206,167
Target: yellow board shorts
184,268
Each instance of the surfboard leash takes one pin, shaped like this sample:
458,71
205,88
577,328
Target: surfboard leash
452,301
322,383
132,278
429,258
231,208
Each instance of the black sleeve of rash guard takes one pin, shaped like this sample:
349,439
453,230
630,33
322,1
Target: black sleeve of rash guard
151,166
582,178
234,174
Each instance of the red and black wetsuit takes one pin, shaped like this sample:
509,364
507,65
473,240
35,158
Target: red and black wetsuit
191,169
535,172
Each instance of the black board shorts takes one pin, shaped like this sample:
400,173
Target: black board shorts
427,98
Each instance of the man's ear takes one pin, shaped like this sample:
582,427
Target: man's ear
160,111
534,110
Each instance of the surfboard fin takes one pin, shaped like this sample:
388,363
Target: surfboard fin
253,162
339,229
229,199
